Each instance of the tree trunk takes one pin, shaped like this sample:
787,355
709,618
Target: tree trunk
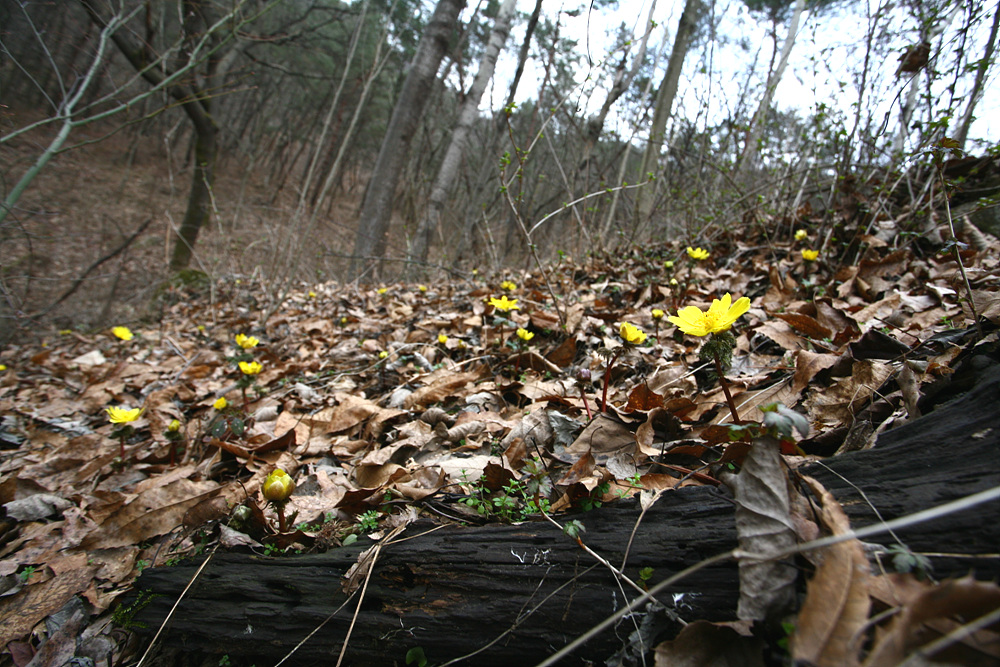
749,157
193,100
621,83
522,56
458,589
977,87
467,116
664,103
376,209
199,206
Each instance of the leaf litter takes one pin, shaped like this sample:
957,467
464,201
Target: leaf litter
400,400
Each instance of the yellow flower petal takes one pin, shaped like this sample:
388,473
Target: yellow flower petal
220,403
810,255
657,314
122,333
251,368
525,335
632,334
801,235
246,342
719,317
503,304
123,415
278,486
442,339
697,253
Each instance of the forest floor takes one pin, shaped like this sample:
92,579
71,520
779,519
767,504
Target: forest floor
377,400
408,392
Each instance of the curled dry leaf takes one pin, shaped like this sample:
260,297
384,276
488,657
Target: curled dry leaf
764,527
702,643
835,611
929,612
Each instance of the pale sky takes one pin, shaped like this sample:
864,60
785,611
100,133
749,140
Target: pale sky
828,51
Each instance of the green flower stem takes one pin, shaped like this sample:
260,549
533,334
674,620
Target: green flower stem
282,523
725,389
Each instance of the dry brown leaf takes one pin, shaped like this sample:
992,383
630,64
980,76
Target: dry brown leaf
441,385
353,412
835,610
805,325
808,364
20,613
156,511
782,334
764,527
704,644
841,400
603,437
935,611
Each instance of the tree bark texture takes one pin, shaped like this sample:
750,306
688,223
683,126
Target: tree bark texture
467,115
199,205
664,103
530,589
376,209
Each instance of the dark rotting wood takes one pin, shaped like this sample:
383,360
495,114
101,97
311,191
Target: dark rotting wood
457,589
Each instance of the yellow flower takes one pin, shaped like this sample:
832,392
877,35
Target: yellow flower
673,281
122,332
382,290
669,264
383,354
525,335
343,319
422,288
174,426
697,253
201,328
810,255
719,317
220,403
312,295
123,415
632,335
278,486
246,342
251,368
503,304
65,332
3,367
508,286
657,314
442,339
801,235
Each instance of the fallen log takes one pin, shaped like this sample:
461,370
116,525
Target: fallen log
518,593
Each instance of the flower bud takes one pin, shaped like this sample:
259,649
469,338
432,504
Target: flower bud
278,486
